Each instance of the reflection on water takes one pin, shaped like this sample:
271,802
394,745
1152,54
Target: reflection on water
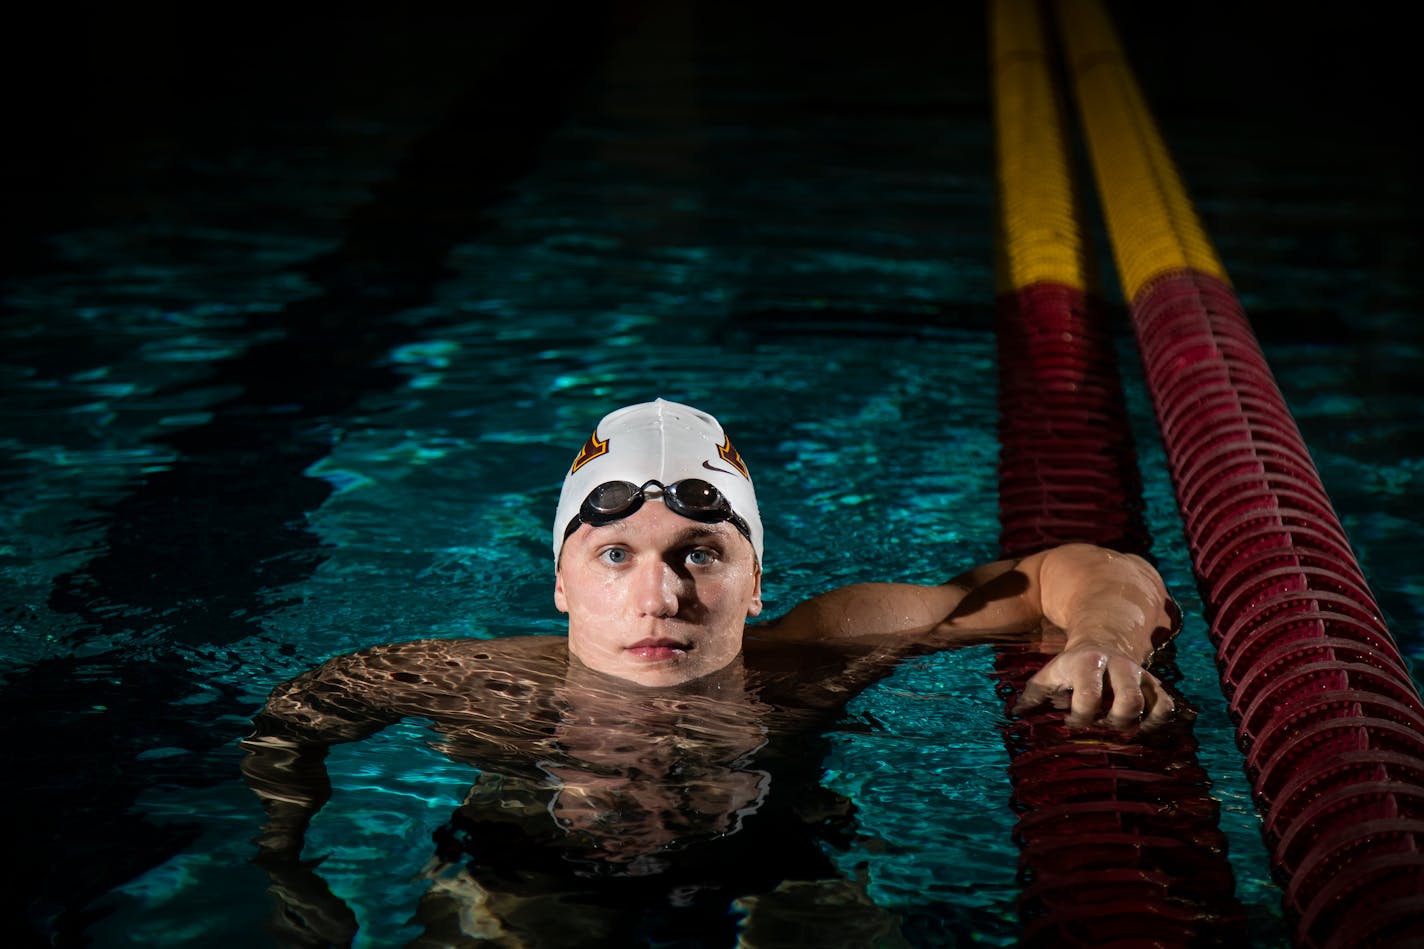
643,814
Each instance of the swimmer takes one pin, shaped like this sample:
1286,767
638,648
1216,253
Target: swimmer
659,765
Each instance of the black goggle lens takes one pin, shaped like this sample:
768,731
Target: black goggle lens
694,494
692,498
610,500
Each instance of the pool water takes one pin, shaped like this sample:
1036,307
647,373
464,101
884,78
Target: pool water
295,360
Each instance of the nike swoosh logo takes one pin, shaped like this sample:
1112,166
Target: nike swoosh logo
711,467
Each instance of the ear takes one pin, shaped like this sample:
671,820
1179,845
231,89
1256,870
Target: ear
754,607
561,601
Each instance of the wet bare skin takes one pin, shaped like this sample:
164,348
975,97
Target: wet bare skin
621,778
521,708
526,707
512,689
596,774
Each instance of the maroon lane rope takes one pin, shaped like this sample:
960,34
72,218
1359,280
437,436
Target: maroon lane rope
1326,712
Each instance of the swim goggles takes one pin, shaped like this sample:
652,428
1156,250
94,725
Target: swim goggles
691,498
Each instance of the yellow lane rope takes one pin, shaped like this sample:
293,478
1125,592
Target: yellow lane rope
1041,241
1153,227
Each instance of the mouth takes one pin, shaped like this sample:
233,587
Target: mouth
654,650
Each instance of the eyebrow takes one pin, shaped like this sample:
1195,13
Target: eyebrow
693,531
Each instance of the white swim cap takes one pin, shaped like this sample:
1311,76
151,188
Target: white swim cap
659,441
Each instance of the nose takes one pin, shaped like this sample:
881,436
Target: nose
657,588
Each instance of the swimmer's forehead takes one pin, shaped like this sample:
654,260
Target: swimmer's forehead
685,532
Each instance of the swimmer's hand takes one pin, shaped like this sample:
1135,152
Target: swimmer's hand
1112,610
1085,677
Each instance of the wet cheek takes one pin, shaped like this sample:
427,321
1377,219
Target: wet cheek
610,598
594,595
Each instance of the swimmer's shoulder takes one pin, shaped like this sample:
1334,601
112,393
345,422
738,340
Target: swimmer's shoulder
451,684
813,673
427,677
462,654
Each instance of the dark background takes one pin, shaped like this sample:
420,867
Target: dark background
99,101
92,90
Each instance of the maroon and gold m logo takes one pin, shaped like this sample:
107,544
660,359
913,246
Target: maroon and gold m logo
591,449
731,456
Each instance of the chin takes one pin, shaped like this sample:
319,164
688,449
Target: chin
662,675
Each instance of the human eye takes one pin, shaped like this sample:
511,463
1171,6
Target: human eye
614,556
701,557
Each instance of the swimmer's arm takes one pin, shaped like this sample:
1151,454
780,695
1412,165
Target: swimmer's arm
1112,608
289,778
285,766
912,612
353,696
345,699
284,761
1090,593
1114,611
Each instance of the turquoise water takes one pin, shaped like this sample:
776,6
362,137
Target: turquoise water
243,434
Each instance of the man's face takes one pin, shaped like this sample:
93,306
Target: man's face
655,598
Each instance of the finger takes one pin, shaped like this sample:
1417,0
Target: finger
1161,707
1035,693
1087,700
1129,701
